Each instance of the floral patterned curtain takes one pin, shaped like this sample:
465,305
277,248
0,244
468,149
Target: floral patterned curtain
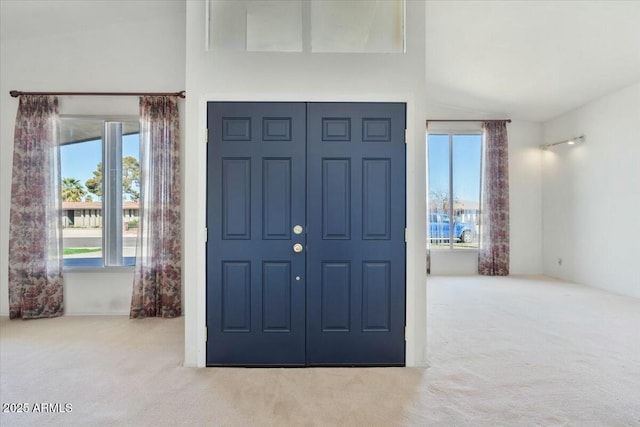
493,257
157,279
35,232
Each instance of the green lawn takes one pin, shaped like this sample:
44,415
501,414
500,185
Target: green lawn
73,251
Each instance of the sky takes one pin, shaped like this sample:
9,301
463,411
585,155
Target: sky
466,165
81,159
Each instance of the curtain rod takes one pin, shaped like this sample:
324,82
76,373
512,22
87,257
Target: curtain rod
468,120
181,94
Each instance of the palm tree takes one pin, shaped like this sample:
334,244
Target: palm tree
72,190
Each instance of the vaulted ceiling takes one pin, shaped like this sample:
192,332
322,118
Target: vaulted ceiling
532,60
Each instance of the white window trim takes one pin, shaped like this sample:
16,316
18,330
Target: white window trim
451,131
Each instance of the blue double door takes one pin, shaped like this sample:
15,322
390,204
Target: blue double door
306,234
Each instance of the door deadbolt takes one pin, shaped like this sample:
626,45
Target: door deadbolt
297,229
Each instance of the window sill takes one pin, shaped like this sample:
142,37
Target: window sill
456,250
111,269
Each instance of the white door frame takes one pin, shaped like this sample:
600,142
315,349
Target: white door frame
415,302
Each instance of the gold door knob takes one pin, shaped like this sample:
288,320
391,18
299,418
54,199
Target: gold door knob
297,248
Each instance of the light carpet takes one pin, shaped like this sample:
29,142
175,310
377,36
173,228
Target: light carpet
501,352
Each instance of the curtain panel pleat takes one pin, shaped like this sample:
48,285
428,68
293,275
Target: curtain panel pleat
157,278
35,229
493,256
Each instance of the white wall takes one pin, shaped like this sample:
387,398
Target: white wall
591,195
96,293
525,198
304,77
136,46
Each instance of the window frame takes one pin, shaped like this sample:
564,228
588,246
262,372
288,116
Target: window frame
112,225
450,133
237,39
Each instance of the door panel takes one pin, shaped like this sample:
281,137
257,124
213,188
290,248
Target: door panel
256,194
336,199
336,296
276,199
276,297
338,171
376,203
355,234
236,296
376,296
236,198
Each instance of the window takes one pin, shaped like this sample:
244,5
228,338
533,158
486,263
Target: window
328,26
373,26
99,216
453,187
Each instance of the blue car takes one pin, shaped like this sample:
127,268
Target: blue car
439,228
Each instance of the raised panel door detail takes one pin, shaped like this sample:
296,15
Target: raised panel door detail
336,129
371,199
336,199
256,309
376,296
236,296
236,129
376,198
376,130
336,296
276,129
276,296
276,199
236,199
337,170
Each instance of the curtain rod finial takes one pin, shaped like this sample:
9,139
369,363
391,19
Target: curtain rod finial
14,93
